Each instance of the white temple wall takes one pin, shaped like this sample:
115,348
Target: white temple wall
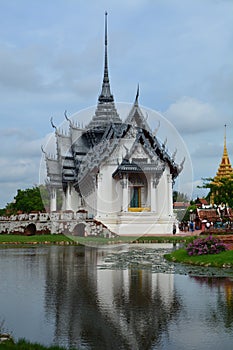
90,204
75,200
117,196
162,200
109,192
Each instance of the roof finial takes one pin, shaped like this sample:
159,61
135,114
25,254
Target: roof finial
106,95
43,151
68,119
225,154
106,49
225,136
137,95
53,125
106,27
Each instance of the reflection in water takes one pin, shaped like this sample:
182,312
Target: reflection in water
122,309
222,311
81,297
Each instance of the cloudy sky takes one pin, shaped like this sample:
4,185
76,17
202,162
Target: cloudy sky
51,60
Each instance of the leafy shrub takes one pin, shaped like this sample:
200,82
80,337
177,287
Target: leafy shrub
208,245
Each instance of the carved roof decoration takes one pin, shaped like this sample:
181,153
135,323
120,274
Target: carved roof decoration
136,117
133,167
63,145
53,171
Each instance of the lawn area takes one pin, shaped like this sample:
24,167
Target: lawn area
91,240
133,239
223,259
165,239
38,239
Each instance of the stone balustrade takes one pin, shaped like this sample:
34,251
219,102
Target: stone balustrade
67,222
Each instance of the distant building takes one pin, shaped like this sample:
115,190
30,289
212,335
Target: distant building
181,205
224,170
118,172
201,203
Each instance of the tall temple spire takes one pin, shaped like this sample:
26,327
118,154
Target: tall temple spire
224,169
106,95
106,111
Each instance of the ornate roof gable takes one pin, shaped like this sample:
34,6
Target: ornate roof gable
136,117
53,169
63,145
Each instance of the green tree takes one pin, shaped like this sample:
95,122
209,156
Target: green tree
26,200
221,191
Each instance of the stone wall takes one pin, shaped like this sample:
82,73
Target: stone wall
67,222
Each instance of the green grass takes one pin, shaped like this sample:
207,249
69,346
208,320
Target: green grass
20,239
223,259
59,238
25,345
165,239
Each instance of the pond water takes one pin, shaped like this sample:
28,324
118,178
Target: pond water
120,298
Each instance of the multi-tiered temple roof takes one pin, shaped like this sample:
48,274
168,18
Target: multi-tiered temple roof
82,150
224,169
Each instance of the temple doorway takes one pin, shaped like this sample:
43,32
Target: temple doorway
135,197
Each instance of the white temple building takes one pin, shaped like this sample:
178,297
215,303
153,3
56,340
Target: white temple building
116,171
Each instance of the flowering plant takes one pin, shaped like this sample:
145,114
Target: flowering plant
208,245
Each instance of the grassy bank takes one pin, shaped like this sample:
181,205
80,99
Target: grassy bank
25,345
134,239
223,259
165,239
36,239
63,239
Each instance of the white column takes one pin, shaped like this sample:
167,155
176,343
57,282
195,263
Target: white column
68,197
53,199
63,207
98,194
153,184
169,194
125,199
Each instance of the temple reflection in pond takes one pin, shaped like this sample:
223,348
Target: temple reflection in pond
106,309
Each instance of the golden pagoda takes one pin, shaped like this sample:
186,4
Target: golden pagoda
224,170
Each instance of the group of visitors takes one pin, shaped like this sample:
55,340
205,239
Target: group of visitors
186,226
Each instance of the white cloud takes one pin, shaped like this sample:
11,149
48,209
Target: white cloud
190,115
208,150
19,161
